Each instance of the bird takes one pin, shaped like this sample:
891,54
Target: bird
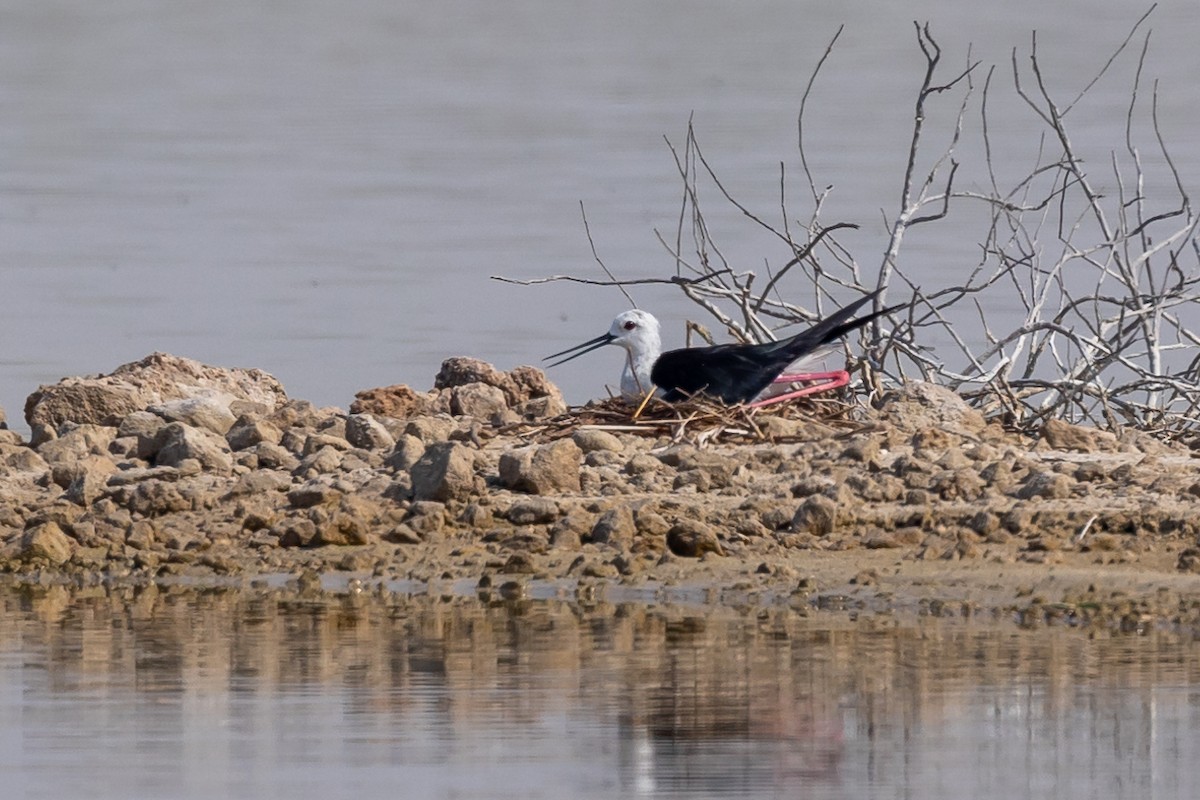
730,373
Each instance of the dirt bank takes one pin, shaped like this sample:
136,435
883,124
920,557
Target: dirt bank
172,470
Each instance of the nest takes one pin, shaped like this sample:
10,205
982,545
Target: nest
701,421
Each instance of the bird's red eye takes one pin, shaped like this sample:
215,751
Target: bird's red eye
630,325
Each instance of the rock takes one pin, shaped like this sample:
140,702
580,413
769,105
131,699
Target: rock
3,420
1065,436
295,532
366,432
542,469
408,451
615,527
592,441
156,379
177,442
533,511
921,406
78,442
313,493
324,461
249,431
46,543
140,425
398,402
430,429
20,461
446,471
478,400
522,387
87,479
156,497
350,524
691,539
199,412
273,456
817,515
1046,484
260,482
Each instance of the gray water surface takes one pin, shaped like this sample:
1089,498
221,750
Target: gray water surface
178,693
321,189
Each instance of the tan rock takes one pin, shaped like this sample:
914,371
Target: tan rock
446,471
157,378
542,469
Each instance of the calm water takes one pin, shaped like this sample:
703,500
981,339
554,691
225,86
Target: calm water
321,189
263,694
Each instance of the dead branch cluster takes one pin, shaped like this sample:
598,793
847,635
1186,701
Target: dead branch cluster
1097,255
699,421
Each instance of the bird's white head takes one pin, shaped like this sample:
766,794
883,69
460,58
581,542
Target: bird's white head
637,332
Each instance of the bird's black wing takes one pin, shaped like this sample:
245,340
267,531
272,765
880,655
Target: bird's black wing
732,373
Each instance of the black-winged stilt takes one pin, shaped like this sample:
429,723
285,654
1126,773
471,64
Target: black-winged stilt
732,373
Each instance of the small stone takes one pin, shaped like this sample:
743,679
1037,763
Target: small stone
817,515
478,400
198,412
47,543
615,527
445,472
406,452
691,539
177,442
591,441
366,432
247,432
542,469
533,511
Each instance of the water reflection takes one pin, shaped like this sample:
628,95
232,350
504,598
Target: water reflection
186,693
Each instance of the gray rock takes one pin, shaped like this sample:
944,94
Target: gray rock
77,442
615,527
319,441
20,461
323,461
368,433
542,469
408,451
178,442
692,539
817,515
533,511
142,424
445,472
88,479
208,413
157,378
1046,484
155,497
274,456
46,543
591,441
313,493
250,431
478,400
430,429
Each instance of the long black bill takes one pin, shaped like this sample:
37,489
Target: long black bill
579,349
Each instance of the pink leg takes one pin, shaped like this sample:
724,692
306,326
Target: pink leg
821,382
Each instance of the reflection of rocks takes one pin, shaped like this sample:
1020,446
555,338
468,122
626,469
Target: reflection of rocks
237,478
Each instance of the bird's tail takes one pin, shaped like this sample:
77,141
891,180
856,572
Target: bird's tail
833,327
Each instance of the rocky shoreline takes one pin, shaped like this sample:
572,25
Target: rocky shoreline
169,470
